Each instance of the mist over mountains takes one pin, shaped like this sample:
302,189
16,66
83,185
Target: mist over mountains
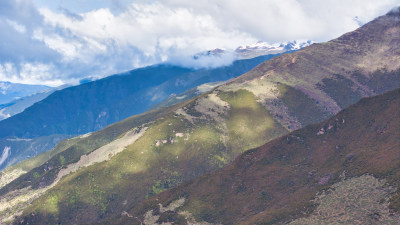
295,139
198,130
59,42
10,91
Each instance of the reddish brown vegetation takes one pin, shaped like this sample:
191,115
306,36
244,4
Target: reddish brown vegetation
276,182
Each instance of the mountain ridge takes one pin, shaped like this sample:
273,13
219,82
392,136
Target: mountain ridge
271,184
203,134
91,106
14,107
11,91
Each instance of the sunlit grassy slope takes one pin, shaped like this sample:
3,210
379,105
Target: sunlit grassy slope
342,170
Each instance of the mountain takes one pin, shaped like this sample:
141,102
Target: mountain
260,48
107,173
11,91
93,105
342,170
16,106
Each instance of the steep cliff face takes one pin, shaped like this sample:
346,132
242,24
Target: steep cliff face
179,143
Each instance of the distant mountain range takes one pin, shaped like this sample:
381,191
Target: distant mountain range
258,49
17,97
12,91
249,51
93,105
122,173
16,106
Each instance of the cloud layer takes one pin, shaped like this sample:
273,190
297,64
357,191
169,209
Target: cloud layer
54,44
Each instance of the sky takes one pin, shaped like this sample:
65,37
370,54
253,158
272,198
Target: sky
54,42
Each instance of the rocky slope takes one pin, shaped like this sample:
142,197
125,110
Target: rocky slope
342,170
164,148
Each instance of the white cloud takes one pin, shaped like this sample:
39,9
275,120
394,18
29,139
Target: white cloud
39,73
154,29
18,27
276,20
30,73
65,45
69,49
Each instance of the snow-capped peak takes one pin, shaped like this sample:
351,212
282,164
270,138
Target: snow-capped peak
296,45
260,45
264,48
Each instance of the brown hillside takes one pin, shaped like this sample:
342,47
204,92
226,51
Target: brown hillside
275,183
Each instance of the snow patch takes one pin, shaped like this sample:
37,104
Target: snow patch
4,115
264,48
5,154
